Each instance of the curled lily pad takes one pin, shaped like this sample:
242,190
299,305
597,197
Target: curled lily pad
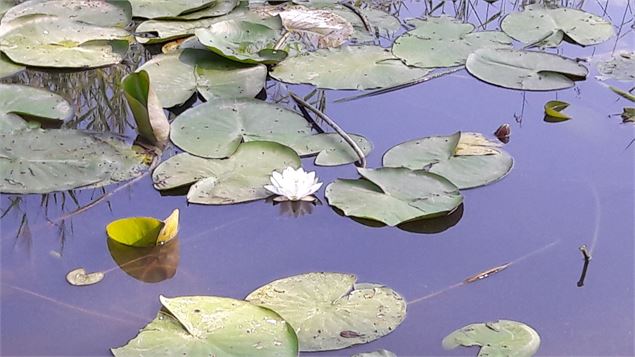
443,42
553,111
330,311
496,338
628,115
42,161
79,277
622,93
100,13
177,76
8,68
378,353
524,70
216,128
51,41
20,103
152,9
466,159
621,67
349,67
144,231
244,41
152,124
540,25
212,326
394,195
240,178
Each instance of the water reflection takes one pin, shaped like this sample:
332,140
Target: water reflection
294,208
148,264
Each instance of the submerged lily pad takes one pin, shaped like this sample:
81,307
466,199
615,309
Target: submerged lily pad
553,111
19,103
144,231
621,67
544,26
177,76
50,41
394,195
79,277
8,68
349,67
101,13
443,42
152,9
525,70
330,311
42,161
240,178
466,159
628,115
496,338
212,326
244,41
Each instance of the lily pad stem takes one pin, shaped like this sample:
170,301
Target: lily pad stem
329,121
359,14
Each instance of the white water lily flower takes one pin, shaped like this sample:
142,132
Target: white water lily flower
294,185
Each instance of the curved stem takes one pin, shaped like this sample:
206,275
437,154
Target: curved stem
329,121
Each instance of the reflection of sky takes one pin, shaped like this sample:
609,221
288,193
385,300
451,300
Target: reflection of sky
572,184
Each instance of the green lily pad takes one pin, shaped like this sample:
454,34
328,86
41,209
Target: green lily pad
216,128
8,68
177,76
218,8
329,311
621,67
240,178
524,70
331,149
553,111
20,103
628,115
444,42
496,338
378,353
144,231
212,326
101,13
152,124
79,277
548,27
394,195
381,23
50,41
244,41
483,164
622,93
151,9
42,161
349,67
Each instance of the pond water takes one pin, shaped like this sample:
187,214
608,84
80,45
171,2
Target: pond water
572,184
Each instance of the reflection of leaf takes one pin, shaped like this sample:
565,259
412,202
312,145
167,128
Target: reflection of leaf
553,109
378,353
144,231
79,277
148,264
212,326
152,124
496,338
330,311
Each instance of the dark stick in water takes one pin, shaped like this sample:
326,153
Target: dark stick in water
587,259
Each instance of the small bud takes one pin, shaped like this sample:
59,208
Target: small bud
503,133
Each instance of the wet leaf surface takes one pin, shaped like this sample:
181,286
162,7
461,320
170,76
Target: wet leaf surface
79,277
496,338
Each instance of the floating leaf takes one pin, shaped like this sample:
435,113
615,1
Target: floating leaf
79,277
100,13
350,67
152,124
8,68
622,93
19,103
446,156
331,149
330,311
621,67
50,41
628,115
548,27
240,178
212,326
42,161
244,41
218,8
177,76
144,231
381,23
152,9
394,195
553,109
524,70
378,353
496,338
444,42
148,264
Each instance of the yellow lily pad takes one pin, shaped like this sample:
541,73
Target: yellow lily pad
144,231
553,111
